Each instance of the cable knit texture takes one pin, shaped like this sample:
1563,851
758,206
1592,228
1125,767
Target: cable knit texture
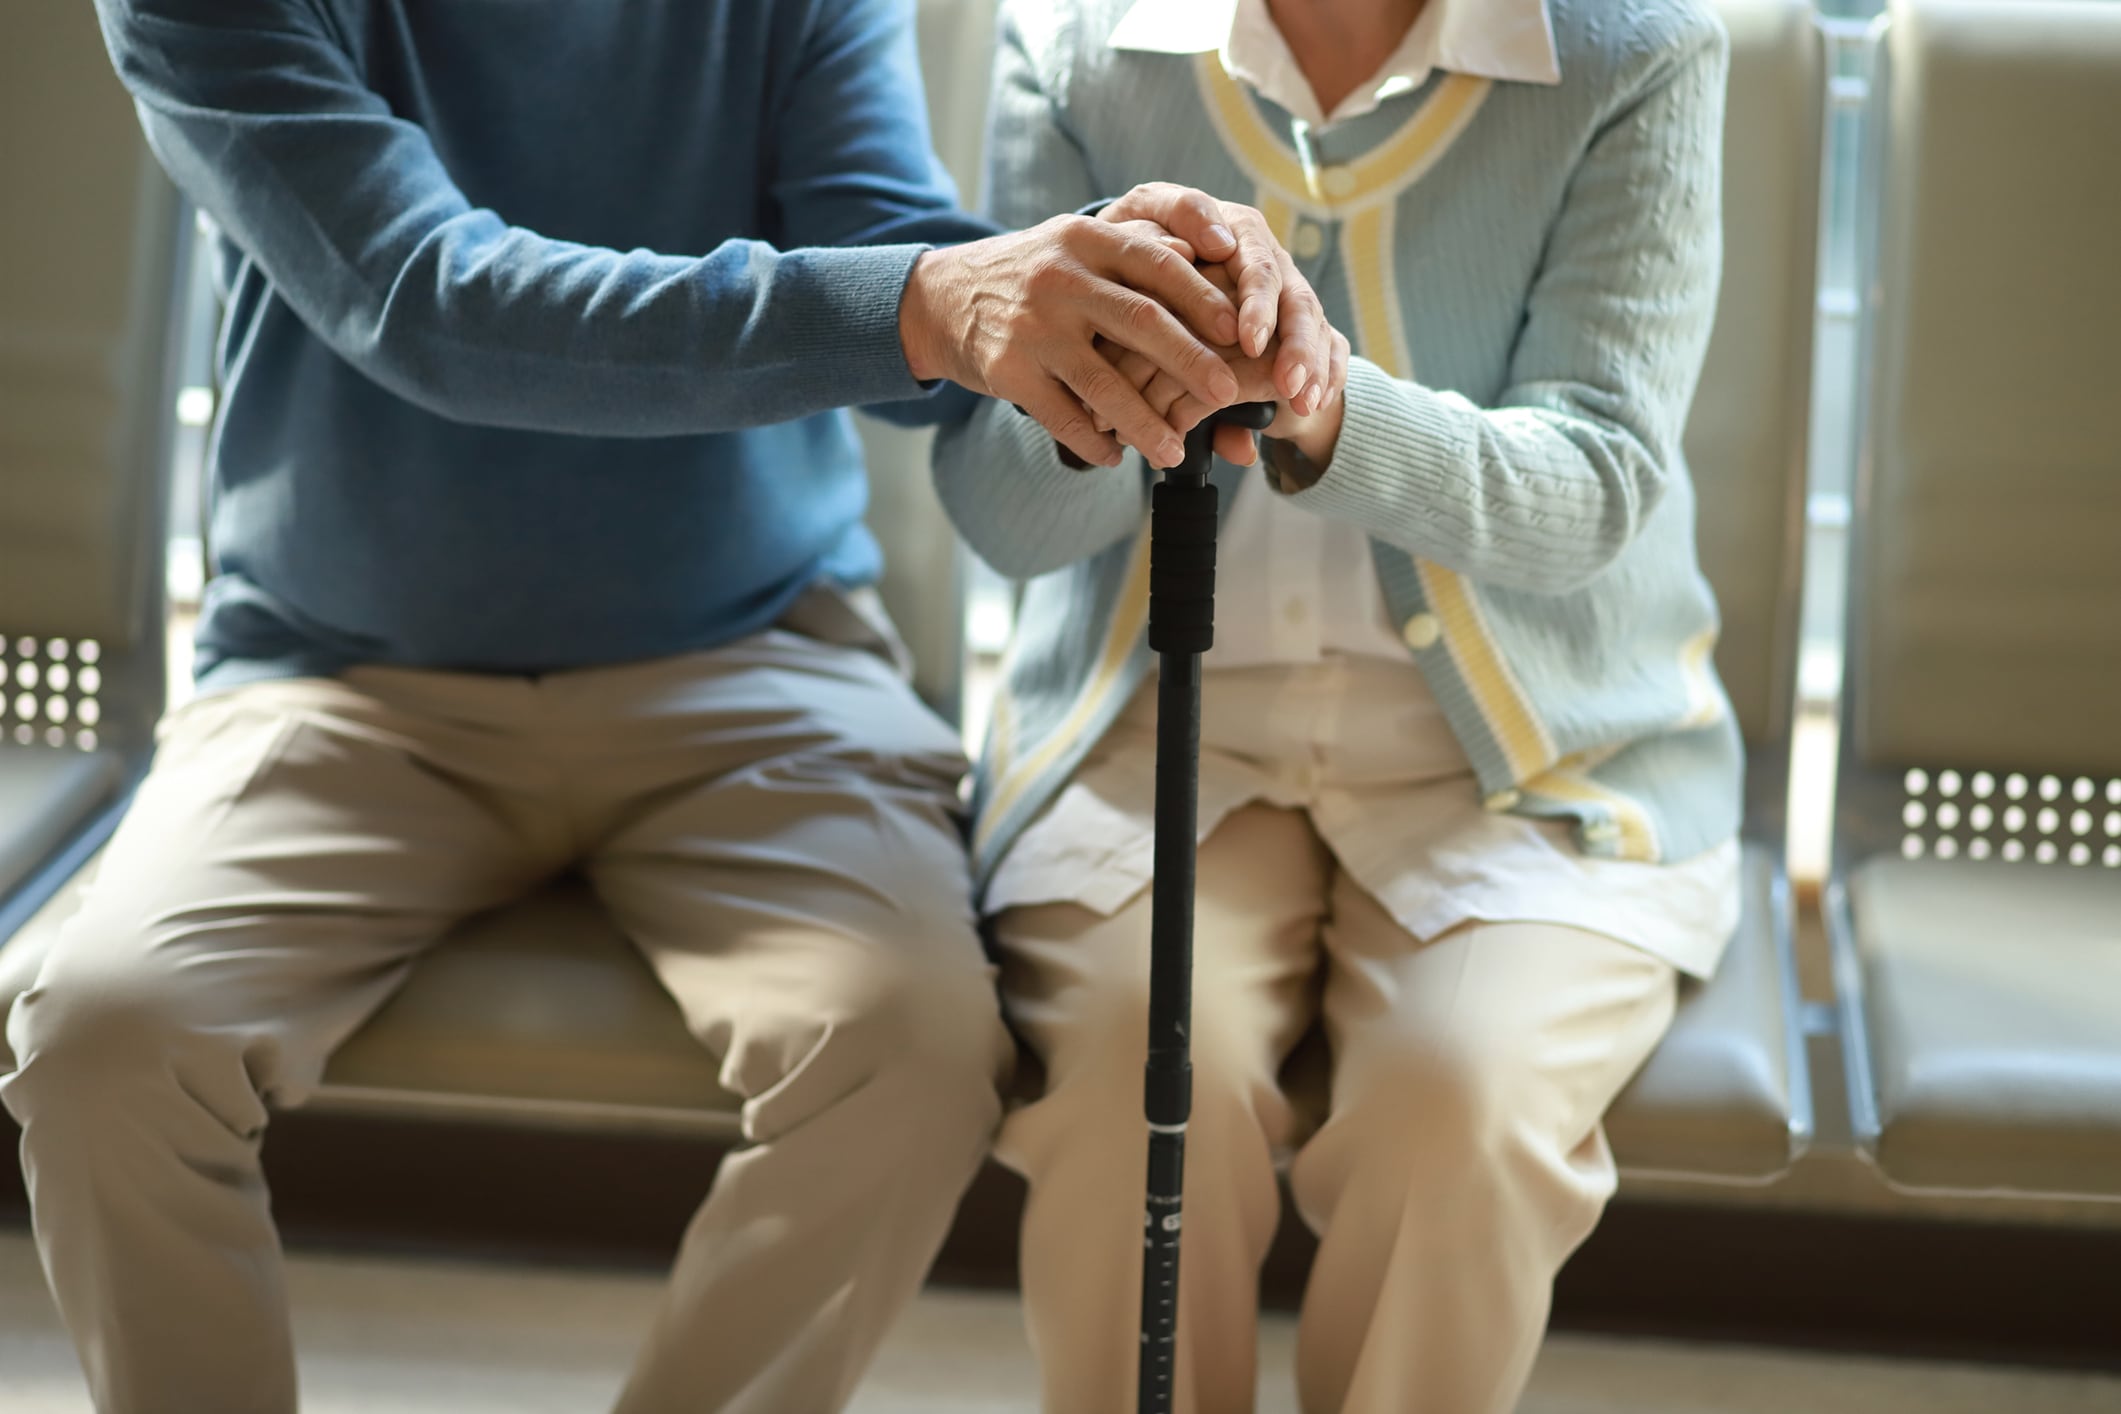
1528,274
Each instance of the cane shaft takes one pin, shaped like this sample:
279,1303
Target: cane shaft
1181,628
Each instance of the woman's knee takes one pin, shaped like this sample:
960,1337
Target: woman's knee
1443,1109
1089,1100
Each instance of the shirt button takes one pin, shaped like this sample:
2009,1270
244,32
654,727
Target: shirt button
1422,631
1503,800
1308,241
1337,182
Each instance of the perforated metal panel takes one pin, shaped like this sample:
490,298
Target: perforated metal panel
2011,818
50,691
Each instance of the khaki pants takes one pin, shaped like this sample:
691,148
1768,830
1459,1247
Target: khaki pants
773,823
1459,1161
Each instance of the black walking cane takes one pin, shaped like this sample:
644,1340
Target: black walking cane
1181,628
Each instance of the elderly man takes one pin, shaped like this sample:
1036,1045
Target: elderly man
540,547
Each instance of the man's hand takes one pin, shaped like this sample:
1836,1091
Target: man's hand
1273,297
1017,317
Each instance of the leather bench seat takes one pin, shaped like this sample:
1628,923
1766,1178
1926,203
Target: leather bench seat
46,794
1991,997
1725,1096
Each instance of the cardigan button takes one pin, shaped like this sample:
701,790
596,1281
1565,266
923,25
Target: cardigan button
1503,800
1337,182
1422,631
1308,242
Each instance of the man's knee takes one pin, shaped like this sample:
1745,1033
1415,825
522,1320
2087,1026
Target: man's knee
944,1022
894,1029
100,1013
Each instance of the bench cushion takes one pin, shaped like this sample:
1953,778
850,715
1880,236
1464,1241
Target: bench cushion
1716,1099
46,793
1992,1001
541,1009
538,1013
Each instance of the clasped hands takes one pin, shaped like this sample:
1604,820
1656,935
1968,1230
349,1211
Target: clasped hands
1128,328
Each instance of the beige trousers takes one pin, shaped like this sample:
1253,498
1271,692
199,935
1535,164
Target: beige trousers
774,824
1457,1163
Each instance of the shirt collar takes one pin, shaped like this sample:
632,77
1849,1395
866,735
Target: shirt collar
1510,40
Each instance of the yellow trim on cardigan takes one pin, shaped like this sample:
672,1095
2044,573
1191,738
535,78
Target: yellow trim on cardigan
1280,213
1366,245
1638,836
1130,616
1704,703
1518,732
1381,337
1375,177
1246,137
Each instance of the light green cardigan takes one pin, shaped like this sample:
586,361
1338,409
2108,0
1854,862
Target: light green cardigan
1528,274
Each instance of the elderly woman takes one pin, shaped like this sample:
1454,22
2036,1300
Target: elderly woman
1470,788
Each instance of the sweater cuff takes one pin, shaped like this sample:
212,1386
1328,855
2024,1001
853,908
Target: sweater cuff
843,321
1047,496
1399,443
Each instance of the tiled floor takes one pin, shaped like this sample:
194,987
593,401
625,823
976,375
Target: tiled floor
390,1336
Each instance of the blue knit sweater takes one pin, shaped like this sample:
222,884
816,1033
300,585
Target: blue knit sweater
539,313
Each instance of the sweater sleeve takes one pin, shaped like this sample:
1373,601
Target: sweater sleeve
258,112
999,473
1549,486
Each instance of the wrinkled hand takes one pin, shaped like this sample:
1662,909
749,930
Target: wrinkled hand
1019,316
1273,298
1315,431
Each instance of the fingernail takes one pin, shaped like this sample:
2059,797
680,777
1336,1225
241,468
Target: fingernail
1226,329
1170,452
1224,385
1298,380
1220,234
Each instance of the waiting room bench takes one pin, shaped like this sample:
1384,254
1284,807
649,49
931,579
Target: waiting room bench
541,1013
1976,902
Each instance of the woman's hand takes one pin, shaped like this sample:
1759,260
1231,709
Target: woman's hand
1274,301
1314,430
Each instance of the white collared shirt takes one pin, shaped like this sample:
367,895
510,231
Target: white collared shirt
1354,743
1496,39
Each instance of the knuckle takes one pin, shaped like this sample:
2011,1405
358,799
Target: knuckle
1047,279
1072,425
1077,232
1140,315
1102,388
1158,257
